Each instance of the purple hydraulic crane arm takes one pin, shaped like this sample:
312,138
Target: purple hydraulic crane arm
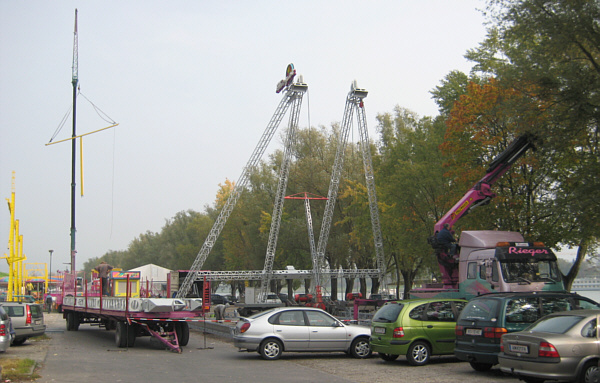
481,193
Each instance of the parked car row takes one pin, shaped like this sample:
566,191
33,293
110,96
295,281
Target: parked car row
535,336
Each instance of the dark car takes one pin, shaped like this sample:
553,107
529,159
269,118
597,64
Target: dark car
217,299
486,318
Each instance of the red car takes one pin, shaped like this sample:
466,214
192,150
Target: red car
303,298
353,296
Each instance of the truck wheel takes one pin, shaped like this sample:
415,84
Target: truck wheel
270,349
121,335
182,329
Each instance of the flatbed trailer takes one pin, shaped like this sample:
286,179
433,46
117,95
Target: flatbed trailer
166,319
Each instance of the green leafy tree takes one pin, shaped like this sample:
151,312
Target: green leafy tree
411,164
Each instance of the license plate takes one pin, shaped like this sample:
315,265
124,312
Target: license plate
379,330
473,331
518,348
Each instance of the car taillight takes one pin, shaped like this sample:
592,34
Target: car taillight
244,327
501,345
547,350
459,331
2,330
28,320
398,332
494,332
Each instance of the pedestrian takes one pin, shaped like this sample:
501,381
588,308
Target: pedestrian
220,311
103,269
49,303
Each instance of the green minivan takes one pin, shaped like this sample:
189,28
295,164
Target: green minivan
417,328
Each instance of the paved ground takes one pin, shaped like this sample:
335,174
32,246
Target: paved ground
91,351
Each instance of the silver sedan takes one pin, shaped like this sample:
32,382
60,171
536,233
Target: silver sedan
299,329
560,346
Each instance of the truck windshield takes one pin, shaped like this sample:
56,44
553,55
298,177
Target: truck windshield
528,272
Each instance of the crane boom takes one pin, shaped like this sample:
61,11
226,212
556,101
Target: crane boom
480,194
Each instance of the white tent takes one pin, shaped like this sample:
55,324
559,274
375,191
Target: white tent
152,273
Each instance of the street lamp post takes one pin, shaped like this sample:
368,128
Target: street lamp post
51,251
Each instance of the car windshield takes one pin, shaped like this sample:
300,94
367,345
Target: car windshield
388,313
480,309
527,272
558,324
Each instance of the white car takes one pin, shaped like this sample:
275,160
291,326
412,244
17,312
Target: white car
272,298
299,329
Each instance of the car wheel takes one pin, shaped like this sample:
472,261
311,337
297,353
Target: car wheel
388,357
481,367
360,348
271,349
418,354
587,372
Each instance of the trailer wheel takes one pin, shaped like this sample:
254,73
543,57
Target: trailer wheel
131,334
76,321
70,316
182,329
125,335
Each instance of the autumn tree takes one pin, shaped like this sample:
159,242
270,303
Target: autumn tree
549,52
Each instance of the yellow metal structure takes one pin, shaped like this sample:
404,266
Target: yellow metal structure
37,271
15,256
81,149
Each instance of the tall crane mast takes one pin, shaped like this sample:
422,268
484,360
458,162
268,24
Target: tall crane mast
354,102
292,96
284,172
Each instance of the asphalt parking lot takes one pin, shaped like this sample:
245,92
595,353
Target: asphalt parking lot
75,356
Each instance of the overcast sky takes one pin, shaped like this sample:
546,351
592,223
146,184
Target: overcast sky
192,86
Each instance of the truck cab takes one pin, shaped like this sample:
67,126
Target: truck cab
502,261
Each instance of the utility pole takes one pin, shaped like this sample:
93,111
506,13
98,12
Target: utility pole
74,81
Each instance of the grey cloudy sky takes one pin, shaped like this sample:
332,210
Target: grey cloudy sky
192,86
